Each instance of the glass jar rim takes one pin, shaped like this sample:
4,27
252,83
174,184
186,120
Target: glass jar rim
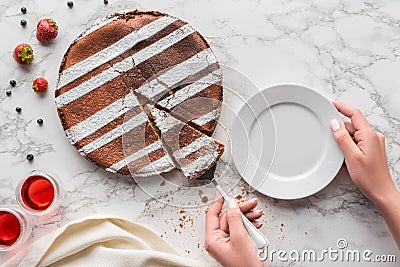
54,183
25,228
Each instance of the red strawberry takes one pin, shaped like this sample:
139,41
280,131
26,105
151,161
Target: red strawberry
46,30
23,54
40,85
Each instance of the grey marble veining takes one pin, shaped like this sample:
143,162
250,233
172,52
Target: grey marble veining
347,50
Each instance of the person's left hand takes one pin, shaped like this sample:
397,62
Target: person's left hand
226,238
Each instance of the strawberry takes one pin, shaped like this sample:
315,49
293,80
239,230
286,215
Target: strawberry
23,54
46,30
40,85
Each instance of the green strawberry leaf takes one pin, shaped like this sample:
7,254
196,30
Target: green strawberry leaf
52,23
27,54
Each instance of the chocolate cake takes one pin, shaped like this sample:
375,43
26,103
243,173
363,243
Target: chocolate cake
192,151
146,53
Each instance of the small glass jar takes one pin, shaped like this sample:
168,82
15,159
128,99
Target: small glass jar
15,227
39,193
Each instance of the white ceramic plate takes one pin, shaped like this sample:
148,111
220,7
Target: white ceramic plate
282,144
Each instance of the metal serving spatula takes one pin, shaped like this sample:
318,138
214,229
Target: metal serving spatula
259,239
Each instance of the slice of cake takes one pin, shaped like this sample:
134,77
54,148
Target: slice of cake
192,89
143,152
192,151
196,101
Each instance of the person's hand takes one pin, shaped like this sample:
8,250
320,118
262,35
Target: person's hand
226,238
364,152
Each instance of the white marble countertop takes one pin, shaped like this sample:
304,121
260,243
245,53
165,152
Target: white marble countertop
348,50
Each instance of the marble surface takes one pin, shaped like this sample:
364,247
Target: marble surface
347,50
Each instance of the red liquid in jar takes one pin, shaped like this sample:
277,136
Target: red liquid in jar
10,228
37,192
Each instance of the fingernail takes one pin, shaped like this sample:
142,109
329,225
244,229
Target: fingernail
259,211
335,125
253,199
232,203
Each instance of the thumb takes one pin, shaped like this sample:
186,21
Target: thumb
235,222
344,140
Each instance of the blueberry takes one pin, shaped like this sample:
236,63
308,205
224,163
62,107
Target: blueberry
70,4
23,10
105,2
18,109
13,83
8,93
29,157
39,121
23,22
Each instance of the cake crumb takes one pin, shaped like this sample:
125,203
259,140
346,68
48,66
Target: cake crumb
181,210
306,233
204,199
238,197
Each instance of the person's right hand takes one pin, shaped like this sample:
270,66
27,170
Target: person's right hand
227,240
364,152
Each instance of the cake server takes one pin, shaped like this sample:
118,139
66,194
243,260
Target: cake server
259,239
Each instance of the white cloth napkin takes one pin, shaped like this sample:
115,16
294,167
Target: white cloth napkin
101,241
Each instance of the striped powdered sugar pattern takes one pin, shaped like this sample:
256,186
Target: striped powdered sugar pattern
166,80
185,151
201,163
101,118
102,57
123,66
119,107
162,164
115,133
193,147
192,89
209,148
206,118
135,156
97,25
163,120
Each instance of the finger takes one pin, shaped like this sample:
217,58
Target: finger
344,140
361,136
212,215
248,205
381,139
245,207
254,215
349,127
236,228
357,118
251,215
258,225
223,223
357,136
